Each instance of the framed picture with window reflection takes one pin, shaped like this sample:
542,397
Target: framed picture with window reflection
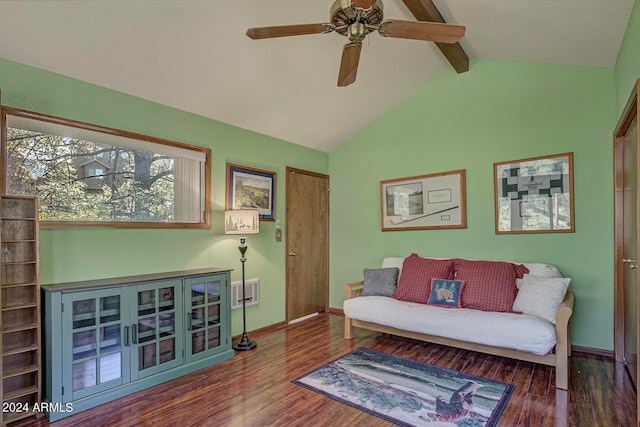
535,195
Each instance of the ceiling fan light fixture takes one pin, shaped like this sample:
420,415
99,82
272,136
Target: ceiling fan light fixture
344,13
357,32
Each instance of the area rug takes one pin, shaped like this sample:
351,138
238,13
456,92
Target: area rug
409,393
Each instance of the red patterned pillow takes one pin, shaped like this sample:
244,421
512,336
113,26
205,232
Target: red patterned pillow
415,281
489,285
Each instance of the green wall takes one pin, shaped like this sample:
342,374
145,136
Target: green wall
498,111
79,254
628,63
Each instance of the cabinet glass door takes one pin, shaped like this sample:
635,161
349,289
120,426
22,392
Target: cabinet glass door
93,342
156,328
204,310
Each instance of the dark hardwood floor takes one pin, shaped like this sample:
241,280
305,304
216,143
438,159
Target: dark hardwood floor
254,388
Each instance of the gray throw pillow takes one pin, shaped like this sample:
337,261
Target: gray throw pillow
380,281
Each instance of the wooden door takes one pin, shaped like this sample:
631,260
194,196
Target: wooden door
629,251
626,239
307,243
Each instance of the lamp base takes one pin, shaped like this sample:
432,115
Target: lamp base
244,343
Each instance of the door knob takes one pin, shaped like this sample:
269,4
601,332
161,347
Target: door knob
292,254
633,266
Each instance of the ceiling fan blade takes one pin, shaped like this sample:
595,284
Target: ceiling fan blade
288,30
363,4
428,31
349,63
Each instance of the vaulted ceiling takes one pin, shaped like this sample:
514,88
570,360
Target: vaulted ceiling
194,55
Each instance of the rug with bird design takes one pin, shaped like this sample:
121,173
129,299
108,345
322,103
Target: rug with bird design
407,392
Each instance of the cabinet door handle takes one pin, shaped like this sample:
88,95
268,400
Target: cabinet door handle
189,322
126,336
134,333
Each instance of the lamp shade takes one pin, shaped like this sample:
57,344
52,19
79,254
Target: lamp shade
241,221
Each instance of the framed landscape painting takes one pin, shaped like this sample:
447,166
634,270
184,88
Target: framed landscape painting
535,195
424,202
249,188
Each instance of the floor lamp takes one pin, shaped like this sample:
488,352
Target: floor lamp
242,221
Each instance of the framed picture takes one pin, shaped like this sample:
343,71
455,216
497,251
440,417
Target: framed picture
535,195
424,202
249,188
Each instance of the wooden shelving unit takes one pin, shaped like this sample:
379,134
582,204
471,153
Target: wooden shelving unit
19,308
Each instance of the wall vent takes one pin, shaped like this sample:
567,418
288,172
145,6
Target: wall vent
252,293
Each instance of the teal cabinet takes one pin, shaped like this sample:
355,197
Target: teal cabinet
205,308
105,339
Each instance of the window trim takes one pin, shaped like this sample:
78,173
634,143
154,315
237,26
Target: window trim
206,224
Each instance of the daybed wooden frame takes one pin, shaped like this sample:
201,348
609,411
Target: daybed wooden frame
559,358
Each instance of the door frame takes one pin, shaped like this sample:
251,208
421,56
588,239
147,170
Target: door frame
629,113
292,170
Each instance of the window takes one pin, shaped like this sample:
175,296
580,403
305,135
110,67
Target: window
88,175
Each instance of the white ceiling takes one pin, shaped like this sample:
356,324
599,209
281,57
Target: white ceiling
194,55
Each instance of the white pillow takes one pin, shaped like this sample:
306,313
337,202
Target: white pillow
541,296
542,270
393,262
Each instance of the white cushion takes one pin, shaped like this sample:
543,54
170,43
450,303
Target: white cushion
541,270
507,330
541,296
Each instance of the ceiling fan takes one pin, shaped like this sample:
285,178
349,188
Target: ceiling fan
355,19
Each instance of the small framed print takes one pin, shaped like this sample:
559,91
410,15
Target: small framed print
249,188
424,202
535,195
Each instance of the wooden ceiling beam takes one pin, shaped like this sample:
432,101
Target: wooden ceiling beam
425,10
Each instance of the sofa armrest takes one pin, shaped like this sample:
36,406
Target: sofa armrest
563,315
563,340
352,290
566,307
